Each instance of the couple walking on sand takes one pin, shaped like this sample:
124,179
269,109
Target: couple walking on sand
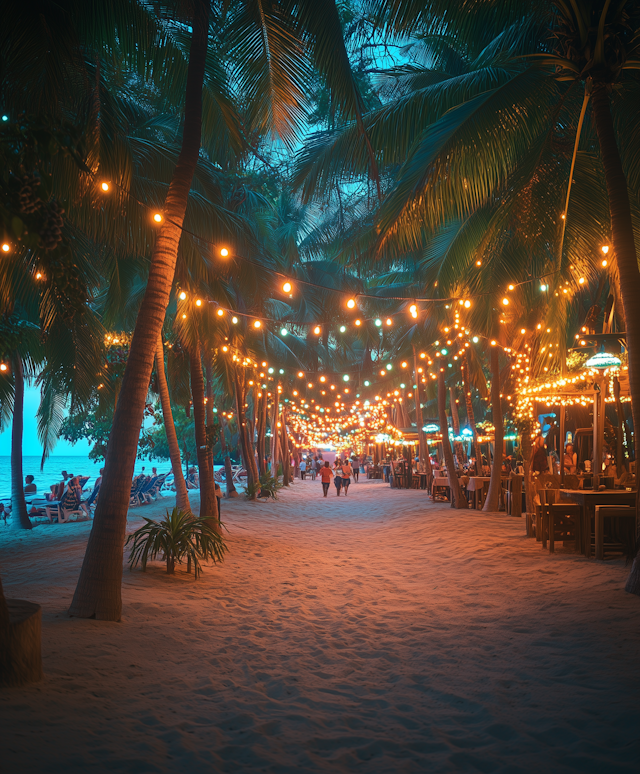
341,477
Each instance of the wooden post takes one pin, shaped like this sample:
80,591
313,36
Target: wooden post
516,495
561,444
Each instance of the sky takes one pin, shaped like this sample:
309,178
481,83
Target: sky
30,444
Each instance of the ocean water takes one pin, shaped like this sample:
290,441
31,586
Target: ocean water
78,465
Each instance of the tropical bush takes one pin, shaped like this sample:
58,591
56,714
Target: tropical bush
178,536
267,486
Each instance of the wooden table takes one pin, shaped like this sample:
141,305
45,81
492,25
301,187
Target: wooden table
588,499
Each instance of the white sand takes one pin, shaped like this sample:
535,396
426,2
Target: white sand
377,633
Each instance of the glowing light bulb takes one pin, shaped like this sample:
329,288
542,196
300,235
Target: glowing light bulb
505,301
543,288
184,316
389,366
157,217
199,302
493,342
413,309
511,287
604,263
345,378
183,295
3,366
343,328
234,320
522,330
105,186
257,324
478,263
224,252
358,322
300,374
284,332
389,321
316,330
287,287
220,312
38,275
467,304
475,339
605,249
351,303
6,247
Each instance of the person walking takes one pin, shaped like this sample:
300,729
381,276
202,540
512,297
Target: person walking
313,465
303,468
326,474
346,471
337,479
356,469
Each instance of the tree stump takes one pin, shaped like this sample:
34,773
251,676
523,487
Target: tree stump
20,644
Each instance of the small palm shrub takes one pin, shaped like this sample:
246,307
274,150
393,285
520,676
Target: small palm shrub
267,486
180,535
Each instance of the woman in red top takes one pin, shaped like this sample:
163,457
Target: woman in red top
326,474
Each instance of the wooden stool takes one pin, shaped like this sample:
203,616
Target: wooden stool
621,531
560,522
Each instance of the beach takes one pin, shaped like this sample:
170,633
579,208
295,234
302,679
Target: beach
374,633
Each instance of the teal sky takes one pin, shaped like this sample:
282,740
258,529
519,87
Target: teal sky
30,444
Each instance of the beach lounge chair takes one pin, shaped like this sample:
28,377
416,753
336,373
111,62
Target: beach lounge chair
136,488
145,495
66,507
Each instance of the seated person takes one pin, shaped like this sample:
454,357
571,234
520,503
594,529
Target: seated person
30,487
70,501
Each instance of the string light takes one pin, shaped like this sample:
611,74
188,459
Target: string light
6,247
105,186
224,252
351,303
287,287
157,217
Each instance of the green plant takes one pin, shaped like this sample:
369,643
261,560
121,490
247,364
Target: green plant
177,536
267,486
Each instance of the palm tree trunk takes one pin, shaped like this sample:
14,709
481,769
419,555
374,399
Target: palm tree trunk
495,484
228,473
286,454
425,459
466,383
262,424
621,457
274,436
99,590
625,252
19,513
242,434
458,500
182,496
208,502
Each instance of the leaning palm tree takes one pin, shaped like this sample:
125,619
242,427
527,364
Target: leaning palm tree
98,592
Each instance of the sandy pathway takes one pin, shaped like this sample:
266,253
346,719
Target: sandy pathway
377,633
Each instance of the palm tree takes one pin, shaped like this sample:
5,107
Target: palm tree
495,484
98,593
458,500
182,496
